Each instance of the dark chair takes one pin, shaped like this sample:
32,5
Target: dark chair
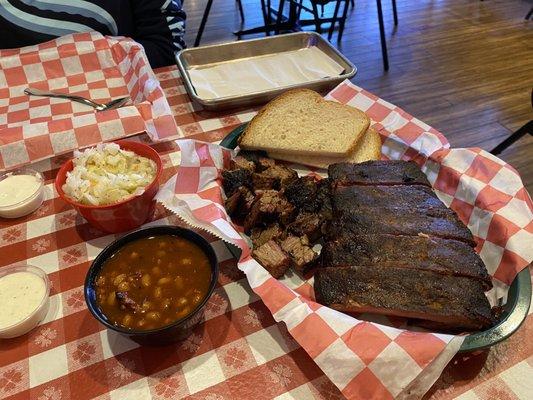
530,13
527,128
207,10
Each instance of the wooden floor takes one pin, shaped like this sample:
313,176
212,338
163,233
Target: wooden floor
463,66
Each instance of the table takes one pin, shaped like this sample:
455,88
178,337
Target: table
239,352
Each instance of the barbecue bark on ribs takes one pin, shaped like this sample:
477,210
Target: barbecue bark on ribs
452,301
272,257
269,206
400,221
302,255
448,257
393,172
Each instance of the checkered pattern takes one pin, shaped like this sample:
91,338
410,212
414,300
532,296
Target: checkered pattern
86,64
361,357
238,353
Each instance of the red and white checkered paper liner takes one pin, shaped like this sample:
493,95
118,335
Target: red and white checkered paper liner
86,64
379,359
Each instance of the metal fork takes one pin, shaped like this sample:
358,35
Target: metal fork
99,107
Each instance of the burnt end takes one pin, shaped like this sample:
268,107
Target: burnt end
232,180
240,162
302,193
392,172
448,257
259,158
260,236
265,182
453,302
126,302
272,257
269,206
303,257
323,199
239,203
308,224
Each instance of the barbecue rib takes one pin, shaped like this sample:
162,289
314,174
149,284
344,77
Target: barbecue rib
449,257
377,173
454,302
400,221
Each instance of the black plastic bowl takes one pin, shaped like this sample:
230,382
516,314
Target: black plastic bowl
176,331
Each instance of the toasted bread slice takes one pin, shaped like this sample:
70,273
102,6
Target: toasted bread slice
368,148
301,122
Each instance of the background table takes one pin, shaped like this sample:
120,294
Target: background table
239,352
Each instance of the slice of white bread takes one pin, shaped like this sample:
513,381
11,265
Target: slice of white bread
368,148
300,121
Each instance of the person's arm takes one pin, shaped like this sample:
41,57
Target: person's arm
159,27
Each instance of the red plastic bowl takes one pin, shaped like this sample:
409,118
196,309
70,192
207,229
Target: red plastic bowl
127,214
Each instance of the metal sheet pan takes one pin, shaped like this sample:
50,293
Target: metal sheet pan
515,310
246,49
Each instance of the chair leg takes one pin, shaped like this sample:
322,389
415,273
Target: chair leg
352,3
318,25
530,13
394,12
266,17
279,16
527,128
382,37
241,11
203,22
343,21
334,19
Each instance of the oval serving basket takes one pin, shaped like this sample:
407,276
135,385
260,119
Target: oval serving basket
514,311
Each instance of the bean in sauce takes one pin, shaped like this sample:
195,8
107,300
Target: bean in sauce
153,282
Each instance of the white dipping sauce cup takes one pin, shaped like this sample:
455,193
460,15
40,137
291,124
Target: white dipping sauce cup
30,203
37,315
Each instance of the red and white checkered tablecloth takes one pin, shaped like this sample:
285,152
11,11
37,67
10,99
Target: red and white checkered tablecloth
90,65
240,352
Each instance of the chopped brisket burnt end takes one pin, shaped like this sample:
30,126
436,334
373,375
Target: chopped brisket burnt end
272,257
400,221
453,301
232,180
393,172
308,224
323,199
302,255
240,162
239,203
274,177
269,206
448,257
125,301
265,182
264,163
260,236
302,193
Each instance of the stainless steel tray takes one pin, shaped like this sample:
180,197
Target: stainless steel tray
222,53
514,311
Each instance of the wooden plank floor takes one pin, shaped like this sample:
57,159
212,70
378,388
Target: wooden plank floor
463,66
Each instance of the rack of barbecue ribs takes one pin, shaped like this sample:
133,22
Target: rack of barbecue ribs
393,248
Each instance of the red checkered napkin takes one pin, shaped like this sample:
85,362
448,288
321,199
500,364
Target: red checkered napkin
87,64
378,359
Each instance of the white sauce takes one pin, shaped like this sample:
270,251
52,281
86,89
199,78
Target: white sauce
20,295
17,188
